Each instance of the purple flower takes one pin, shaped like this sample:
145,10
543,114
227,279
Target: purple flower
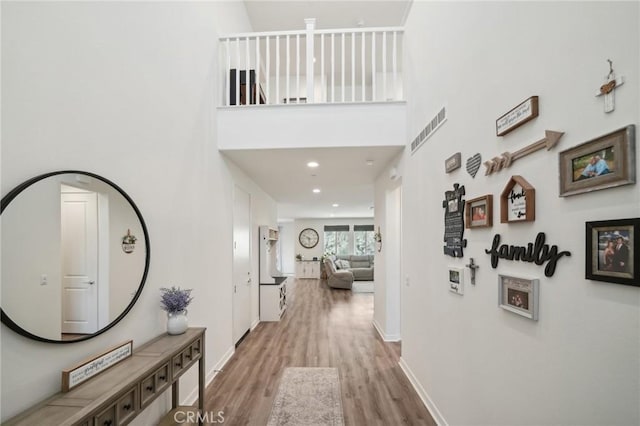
175,299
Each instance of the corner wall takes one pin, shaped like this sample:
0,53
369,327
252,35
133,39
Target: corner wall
127,91
479,364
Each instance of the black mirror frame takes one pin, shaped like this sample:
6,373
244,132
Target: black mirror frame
6,200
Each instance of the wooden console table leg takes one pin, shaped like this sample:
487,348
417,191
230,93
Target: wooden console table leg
175,394
201,380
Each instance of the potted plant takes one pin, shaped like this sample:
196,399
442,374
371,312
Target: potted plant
174,301
298,257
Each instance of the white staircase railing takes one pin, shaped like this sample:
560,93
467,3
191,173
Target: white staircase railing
313,66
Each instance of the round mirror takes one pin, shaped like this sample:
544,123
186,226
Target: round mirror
75,256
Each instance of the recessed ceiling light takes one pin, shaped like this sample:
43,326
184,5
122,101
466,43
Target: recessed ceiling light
312,164
369,162
332,215
335,205
316,190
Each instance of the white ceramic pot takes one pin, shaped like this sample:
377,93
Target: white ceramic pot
177,322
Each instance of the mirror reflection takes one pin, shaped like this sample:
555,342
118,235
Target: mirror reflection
73,257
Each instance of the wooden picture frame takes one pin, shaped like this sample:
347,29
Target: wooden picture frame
526,111
90,367
518,201
519,295
479,212
613,251
601,163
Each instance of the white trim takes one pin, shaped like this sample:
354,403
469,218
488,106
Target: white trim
424,396
255,324
193,395
385,337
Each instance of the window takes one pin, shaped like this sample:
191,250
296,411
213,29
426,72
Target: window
363,240
336,239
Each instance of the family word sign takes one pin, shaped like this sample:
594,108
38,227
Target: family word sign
537,252
87,369
527,110
454,221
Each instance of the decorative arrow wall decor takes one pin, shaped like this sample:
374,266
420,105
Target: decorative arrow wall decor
503,161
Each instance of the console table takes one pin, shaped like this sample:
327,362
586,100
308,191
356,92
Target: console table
120,393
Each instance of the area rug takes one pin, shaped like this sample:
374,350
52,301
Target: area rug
308,396
362,287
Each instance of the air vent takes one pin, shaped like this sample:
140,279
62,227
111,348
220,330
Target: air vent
429,129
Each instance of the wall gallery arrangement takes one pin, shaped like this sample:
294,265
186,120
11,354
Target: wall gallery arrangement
612,246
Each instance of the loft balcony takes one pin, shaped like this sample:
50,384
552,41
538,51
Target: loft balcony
312,88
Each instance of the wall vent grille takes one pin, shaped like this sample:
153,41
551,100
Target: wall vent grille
431,127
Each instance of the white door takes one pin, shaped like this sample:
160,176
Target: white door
241,263
79,240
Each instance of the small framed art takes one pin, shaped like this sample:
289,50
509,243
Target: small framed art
456,280
518,201
480,212
613,251
604,162
519,295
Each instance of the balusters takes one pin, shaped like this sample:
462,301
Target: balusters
237,71
394,60
247,75
257,70
277,69
333,68
298,68
384,66
228,75
322,81
353,67
268,69
373,66
364,93
287,95
342,66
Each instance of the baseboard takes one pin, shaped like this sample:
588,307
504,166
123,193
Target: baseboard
386,337
255,324
211,374
424,396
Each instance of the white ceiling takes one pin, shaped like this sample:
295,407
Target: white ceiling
266,15
343,177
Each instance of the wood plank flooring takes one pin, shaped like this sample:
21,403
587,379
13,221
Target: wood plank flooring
321,328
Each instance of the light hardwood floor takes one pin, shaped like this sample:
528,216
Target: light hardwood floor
321,328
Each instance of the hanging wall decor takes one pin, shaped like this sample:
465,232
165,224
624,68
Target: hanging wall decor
604,162
505,160
611,83
537,252
526,111
518,201
479,212
452,163
129,242
456,280
473,164
519,295
454,221
613,251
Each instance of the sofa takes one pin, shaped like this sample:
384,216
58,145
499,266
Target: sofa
337,278
360,266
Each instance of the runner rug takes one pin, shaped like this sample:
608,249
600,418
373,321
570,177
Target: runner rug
308,396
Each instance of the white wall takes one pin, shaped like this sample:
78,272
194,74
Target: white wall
128,91
386,312
479,364
335,125
318,225
288,238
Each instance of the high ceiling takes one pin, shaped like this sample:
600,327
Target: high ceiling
289,15
345,176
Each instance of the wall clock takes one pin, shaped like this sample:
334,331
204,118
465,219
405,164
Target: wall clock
308,238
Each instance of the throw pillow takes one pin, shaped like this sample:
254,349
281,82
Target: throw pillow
342,264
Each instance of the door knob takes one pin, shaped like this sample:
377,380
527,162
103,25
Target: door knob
90,282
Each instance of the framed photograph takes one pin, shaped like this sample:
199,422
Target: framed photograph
613,251
605,162
456,280
519,295
480,212
518,201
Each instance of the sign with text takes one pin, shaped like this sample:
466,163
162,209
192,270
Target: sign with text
527,110
89,368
